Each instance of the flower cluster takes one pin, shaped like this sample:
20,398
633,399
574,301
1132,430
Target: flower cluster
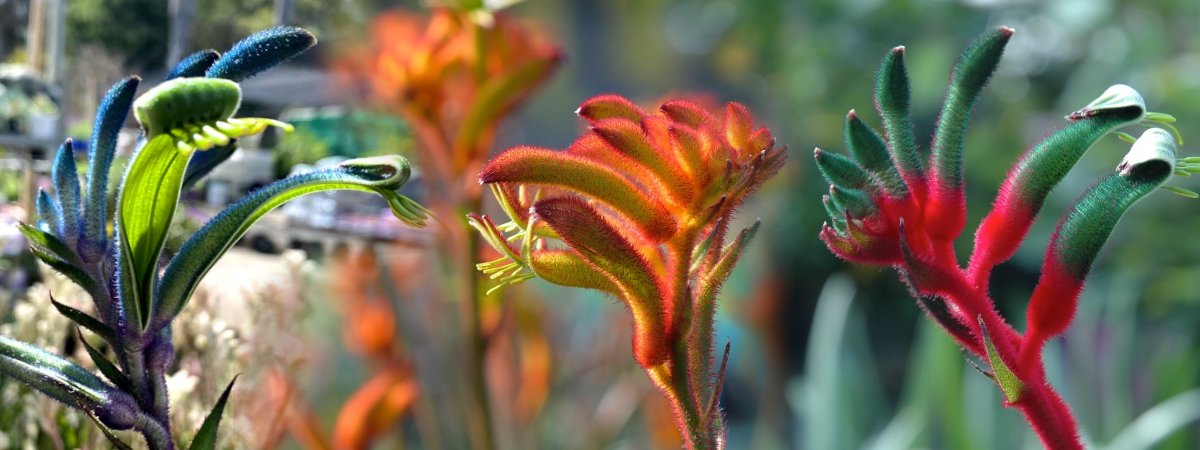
451,76
643,203
890,204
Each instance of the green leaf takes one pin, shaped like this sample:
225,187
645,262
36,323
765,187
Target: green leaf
720,271
1008,381
147,203
58,256
106,367
206,438
381,175
84,320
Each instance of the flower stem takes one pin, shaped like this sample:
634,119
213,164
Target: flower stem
477,340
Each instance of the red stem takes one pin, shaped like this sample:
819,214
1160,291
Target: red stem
1050,417
1042,407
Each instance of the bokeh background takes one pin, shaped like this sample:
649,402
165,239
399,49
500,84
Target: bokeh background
824,355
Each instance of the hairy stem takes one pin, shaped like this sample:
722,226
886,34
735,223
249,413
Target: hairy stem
156,433
1041,405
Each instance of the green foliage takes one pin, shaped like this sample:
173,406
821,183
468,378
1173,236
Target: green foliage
133,29
206,437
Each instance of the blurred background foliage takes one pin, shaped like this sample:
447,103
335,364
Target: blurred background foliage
825,356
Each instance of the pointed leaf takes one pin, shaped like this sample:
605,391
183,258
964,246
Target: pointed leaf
1012,386
206,437
853,201
106,367
194,65
110,117
58,256
381,175
84,320
837,216
146,206
261,51
66,189
716,277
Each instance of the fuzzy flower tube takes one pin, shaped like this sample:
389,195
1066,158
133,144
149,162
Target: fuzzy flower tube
640,207
892,205
138,288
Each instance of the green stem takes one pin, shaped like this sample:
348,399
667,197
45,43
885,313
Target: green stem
475,336
691,361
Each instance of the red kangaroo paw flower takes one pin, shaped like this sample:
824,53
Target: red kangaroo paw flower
643,203
1039,170
886,207
1085,228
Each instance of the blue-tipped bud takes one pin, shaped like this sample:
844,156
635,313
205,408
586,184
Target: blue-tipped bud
66,188
110,117
195,64
261,51
47,211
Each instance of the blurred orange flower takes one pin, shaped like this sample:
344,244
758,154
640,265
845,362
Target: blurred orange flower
451,77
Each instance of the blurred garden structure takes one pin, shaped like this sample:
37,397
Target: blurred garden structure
375,335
